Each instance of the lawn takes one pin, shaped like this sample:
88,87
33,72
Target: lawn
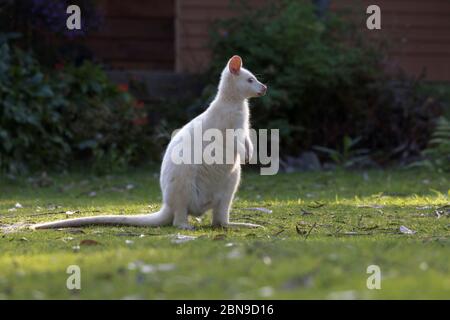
322,231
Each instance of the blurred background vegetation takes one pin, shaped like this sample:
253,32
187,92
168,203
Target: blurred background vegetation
329,94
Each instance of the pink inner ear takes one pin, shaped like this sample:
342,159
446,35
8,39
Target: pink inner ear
235,65
234,70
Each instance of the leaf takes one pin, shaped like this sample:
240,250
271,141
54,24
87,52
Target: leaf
373,206
299,230
235,253
221,236
266,291
305,281
325,150
405,230
259,209
150,268
89,242
181,238
88,144
317,205
71,230
44,92
128,234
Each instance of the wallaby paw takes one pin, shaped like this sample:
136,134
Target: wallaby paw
185,226
218,226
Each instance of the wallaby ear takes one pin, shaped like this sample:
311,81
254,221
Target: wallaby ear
235,65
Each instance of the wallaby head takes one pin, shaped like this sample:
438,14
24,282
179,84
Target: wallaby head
239,82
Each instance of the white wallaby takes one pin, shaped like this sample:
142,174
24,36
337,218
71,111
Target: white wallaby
193,189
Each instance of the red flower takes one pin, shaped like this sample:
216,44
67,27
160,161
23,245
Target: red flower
139,104
140,121
59,66
123,87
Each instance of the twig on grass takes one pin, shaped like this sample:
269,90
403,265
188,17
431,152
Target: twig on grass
309,231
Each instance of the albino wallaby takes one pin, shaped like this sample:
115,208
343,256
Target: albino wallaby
193,189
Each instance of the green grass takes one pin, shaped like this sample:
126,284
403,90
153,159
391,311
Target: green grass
325,229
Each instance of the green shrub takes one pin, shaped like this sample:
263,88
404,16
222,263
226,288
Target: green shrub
347,156
325,82
49,118
31,130
105,122
438,150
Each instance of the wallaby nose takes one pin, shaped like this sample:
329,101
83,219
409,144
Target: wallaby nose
264,89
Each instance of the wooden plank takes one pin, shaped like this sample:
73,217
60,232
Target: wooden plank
221,4
142,65
418,31
194,42
417,19
195,61
403,4
138,8
437,69
122,49
402,19
413,31
195,28
149,29
425,49
136,34
206,14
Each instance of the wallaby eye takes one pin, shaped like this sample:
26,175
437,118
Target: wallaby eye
250,80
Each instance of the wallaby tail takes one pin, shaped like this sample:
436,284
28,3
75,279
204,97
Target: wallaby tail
156,219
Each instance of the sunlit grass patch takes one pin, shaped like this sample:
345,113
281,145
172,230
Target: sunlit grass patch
322,231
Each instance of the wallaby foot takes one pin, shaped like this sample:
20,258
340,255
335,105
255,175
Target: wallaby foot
185,226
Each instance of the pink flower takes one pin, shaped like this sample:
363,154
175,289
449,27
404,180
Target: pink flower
123,87
140,121
59,66
139,104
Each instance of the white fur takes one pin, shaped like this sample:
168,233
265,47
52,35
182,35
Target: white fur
193,189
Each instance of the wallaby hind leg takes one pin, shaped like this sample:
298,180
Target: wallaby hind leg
177,199
180,219
221,211
222,206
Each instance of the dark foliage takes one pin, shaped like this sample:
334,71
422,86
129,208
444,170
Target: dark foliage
325,82
49,118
